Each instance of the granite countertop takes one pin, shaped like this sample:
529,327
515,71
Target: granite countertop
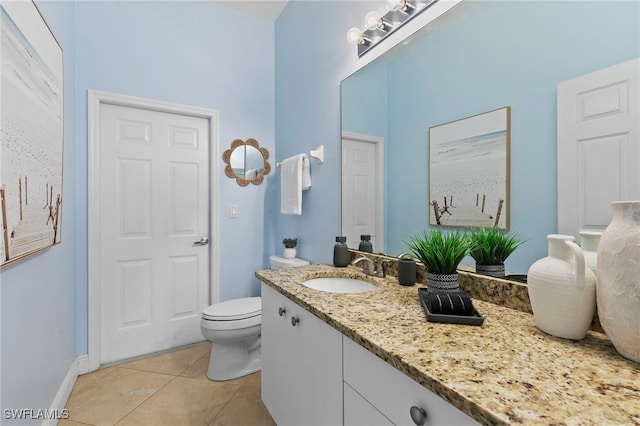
506,371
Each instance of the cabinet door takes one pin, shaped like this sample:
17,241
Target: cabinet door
301,364
359,412
394,393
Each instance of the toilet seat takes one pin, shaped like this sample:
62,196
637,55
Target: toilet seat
233,314
235,309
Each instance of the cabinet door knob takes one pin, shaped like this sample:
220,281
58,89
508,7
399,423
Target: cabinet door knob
282,311
418,415
294,321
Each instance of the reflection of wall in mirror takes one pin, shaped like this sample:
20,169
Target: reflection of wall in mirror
487,55
254,161
238,161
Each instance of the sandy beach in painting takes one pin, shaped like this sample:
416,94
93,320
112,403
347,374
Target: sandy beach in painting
464,171
31,134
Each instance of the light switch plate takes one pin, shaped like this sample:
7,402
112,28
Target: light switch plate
233,211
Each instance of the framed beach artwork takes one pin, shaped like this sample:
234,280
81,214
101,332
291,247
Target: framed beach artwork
31,133
469,171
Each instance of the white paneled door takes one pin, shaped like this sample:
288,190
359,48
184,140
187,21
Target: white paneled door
154,230
598,145
362,194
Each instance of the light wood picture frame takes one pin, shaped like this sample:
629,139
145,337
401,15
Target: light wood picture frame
31,133
469,171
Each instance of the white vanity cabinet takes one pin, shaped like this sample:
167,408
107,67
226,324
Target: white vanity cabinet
378,394
313,375
301,364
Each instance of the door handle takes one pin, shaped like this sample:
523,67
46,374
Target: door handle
203,242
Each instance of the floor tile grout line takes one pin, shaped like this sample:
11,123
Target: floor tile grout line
92,384
225,405
154,354
148,398
149,371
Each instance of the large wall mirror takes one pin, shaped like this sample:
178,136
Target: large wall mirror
479,57
246,162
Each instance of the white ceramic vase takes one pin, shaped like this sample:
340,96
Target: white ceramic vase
618,291
562,290
289,253
589,243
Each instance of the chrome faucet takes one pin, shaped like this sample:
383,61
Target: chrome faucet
368,268
380,268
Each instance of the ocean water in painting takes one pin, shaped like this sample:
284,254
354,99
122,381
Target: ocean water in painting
467,172
31,141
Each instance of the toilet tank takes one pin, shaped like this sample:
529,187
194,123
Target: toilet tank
278,262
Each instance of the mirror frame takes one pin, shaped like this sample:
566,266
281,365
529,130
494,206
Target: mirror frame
228,170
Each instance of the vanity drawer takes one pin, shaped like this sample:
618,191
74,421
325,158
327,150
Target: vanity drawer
393,393
359,412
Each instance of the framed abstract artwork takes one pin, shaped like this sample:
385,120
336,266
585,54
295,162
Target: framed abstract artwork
31,133
469,171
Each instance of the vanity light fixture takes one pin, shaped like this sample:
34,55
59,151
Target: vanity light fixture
377,27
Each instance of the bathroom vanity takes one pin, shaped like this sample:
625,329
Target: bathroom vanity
373,358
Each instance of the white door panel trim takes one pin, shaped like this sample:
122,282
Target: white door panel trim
379,147
95,99
598,138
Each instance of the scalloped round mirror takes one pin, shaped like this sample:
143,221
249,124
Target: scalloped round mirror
246,162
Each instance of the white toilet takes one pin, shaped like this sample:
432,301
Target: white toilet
233,327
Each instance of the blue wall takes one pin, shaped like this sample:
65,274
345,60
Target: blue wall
38,294
495,54
194,53
312,57
502,54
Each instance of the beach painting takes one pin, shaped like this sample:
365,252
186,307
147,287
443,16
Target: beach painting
469,171
31,133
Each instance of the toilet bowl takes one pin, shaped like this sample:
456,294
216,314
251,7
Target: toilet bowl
233,327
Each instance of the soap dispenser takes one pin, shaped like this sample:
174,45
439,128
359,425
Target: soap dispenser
365,244
341,256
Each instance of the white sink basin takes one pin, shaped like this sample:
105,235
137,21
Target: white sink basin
339,285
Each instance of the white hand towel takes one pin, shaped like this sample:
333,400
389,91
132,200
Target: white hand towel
306,173
291,185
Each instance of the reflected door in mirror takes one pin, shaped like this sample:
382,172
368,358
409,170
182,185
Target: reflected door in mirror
362,189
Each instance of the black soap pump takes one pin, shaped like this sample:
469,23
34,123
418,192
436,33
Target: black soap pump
341,256
365,244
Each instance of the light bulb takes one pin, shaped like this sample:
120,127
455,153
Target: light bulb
354,35
372,20
396,4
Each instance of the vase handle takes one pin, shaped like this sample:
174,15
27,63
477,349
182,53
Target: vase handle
579,259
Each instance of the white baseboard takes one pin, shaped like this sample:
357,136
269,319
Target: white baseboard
83,364
62,396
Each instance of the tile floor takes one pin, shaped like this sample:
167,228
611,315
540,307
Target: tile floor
168,389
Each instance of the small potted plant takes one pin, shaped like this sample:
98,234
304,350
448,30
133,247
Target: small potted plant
490,247
440,253
290,247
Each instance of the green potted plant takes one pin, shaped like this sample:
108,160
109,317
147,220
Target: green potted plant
490,247
440,253
290,247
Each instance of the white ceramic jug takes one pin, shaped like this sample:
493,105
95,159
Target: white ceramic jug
589,243
562,290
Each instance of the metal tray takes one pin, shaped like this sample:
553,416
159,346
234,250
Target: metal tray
475,319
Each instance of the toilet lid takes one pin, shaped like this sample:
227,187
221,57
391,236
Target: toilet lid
234,309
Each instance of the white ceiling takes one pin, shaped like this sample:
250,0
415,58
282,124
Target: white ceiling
265,9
